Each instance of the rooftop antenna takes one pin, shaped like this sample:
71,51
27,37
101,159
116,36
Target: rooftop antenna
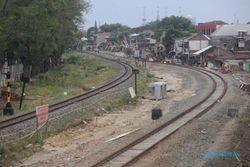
144,20
158,14
166,12
234,18
152,14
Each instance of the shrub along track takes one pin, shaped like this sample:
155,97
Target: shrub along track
124,76
132,152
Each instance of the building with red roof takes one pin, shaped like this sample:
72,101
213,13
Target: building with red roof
209,27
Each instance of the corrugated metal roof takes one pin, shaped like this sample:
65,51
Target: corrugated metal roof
202,50
134,35
231,30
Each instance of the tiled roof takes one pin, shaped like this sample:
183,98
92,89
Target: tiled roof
216,22
199,36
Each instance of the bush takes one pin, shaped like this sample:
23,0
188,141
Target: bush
128,51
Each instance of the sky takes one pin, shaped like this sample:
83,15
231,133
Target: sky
131,12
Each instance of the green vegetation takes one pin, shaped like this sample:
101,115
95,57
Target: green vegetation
37,32
173,26
79,73
118,30
128,51
20,149
143,83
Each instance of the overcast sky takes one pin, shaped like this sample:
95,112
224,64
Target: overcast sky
130,12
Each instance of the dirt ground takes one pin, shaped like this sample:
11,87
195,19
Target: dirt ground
76,143
214,132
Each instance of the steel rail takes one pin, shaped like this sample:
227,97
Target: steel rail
146,136
127,74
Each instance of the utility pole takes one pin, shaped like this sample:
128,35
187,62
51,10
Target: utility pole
136,72
144,20
25,79
158,14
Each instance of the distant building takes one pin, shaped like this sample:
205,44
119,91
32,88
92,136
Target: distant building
185,47
211,56
234,37
148,33
102,37
209,27
181,46
137,41
198,42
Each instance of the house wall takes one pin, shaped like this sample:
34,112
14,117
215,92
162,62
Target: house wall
178,46
198,45
99,40
228,42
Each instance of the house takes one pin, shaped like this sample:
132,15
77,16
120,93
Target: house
198,42
209,27
185,47
140,42
181,46
234,37
212,56
148,33
101,38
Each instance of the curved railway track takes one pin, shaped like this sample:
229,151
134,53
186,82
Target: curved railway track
123,77
129,154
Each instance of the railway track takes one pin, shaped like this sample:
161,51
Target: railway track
129,154
123,77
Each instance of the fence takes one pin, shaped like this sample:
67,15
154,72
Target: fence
16,72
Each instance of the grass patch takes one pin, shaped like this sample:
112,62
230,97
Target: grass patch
23,148
143,84
80,72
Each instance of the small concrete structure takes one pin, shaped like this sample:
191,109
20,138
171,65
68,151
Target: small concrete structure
158,90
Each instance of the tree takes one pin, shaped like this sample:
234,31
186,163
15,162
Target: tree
96,28
90,32
168,29
39,31
128,51
118,30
